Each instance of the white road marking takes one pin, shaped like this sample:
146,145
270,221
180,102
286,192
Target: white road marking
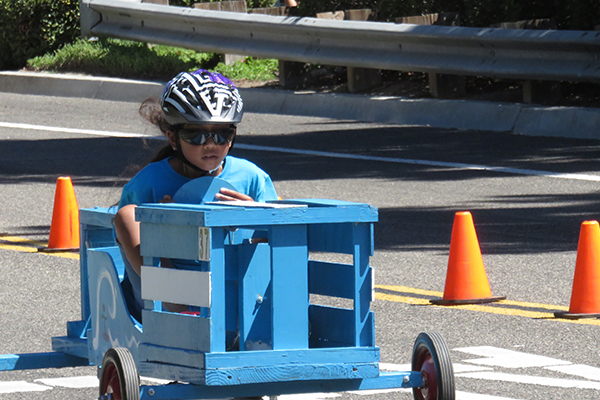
477,167
71,130
459,395
585,371
75,382
378,391
463,166
532,380
394,367
22,386
308,396
458,368
477,396
508,358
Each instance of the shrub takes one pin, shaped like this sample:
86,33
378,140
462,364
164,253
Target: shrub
122,58
29,28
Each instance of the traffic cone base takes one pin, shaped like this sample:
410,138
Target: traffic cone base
466,280
568,315
585,296
442,302
65,250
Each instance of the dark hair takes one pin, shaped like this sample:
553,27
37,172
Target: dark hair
151,111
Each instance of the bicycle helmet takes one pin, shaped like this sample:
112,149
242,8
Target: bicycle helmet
201,97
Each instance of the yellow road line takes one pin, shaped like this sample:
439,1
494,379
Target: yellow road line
502,307
23,245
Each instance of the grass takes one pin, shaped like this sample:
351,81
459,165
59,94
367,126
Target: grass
126,59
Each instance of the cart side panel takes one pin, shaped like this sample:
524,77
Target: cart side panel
332,326
96,230
111,323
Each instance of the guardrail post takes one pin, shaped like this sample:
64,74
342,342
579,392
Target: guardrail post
361,79
239,6
536,91
440,85
288,70
541,92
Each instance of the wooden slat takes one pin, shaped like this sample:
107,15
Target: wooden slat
331,279
176,286
176,330
290,372
348,355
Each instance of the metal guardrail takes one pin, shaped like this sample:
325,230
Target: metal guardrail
502,53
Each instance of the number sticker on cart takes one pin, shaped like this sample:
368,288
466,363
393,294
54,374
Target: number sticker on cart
204,244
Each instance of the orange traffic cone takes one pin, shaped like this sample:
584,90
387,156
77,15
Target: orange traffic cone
466,281
64,231
585,296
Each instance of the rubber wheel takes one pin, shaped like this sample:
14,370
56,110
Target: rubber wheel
432,359
119,379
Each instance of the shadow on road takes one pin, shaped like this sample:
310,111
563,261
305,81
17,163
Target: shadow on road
529,223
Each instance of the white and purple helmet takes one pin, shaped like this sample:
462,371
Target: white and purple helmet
201,97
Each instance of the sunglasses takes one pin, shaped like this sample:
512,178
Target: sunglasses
198,137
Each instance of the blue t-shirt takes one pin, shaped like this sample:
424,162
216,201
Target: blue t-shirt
158,179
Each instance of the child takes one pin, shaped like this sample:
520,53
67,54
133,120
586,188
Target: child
198,113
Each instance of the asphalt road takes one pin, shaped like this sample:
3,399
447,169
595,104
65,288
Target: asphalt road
528,197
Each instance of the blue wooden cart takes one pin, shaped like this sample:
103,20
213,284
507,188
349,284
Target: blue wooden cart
247,271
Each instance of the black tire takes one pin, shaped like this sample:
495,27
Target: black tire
431,357
119,375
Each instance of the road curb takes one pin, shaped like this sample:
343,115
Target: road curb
569,122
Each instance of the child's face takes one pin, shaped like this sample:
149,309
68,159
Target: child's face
209,155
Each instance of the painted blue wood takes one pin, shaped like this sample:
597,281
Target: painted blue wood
111,323
255,296
260,285
331,326
169,372
97,216
233,368
333,238
233,359
170,241
219,215
95,231
289,372
331,279
74,346
173,356
218,312
289,270
14,362
182,391
363,320
176,330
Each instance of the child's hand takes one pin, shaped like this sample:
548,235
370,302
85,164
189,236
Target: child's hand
228,195
166,199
